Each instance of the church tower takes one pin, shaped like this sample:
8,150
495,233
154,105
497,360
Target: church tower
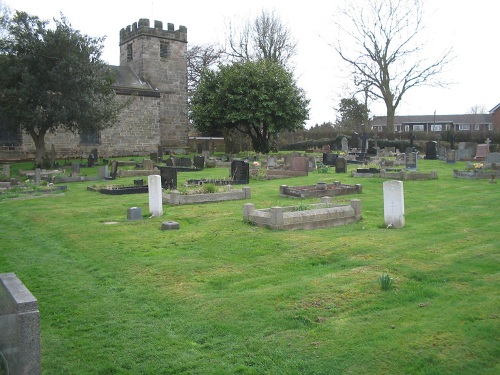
159,58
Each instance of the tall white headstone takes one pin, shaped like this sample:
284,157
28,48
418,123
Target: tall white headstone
155,195
394,204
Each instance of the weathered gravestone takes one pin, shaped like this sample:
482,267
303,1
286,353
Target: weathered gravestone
344,145
329,159
95,154
411,160
199,162
114,169
147,164
168,178
134,213
431,150
450,157
19,328
90,161
155,195
394,204
272,162
154,157
300,164
493,158
340,165
240,171
102,172
75,168
6,170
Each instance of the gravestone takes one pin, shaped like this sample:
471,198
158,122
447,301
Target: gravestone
102,172
38,176
168,178
394,205
160,153
169,225
340,165
205,154
493,158
19,327
431,150
154,157
147,164
344,145
240,171
364,145
450,157
155,195
482,151
411,160
6,170
326,149
329,159
199,162
134,213
300,164
75,168
114,169
354,140
90,161
272,162
95,154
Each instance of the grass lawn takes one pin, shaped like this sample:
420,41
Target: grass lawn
221,296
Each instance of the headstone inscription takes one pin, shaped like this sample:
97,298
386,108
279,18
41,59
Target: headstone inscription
394,205
19,328
340,165
240,171
155,195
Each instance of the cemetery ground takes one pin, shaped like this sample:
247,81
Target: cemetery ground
221,296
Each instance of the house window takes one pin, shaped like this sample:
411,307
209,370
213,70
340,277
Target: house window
129,52
463,127
90,137
418,128
164,49
477,127
436,128
407,128
490,127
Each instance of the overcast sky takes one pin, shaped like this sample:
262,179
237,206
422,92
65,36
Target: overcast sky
471,27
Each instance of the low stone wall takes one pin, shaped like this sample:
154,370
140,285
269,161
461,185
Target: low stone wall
19,328
176,198
473,175
406,175
272,174
322,215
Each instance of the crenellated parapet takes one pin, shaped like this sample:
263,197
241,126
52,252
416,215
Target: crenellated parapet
143,28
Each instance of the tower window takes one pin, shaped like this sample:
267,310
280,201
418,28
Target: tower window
164,49
129,52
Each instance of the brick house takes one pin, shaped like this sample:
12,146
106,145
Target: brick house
152,77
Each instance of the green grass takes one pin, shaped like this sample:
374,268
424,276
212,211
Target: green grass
221,296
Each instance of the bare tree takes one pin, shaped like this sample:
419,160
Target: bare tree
265,37
199,58
380,44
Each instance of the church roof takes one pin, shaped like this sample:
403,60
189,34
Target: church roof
127,82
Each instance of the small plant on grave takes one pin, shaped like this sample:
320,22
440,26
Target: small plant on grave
208,189
385,281
301,207
259,174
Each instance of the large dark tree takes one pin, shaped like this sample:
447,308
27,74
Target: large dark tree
257,98
53,78
380,42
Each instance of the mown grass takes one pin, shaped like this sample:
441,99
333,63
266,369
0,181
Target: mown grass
221,296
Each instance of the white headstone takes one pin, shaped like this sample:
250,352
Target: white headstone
345,145
394,204
155,195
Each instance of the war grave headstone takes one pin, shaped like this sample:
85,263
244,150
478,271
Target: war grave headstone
411,160
450,156
19,328
155,195
340,165
168,178
394,207
240,171
431,150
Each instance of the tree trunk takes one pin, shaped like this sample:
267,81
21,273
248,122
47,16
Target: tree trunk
390,119
39,140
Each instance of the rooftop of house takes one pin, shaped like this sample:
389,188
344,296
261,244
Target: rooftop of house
479,118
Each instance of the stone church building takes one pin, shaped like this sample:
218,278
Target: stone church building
152,77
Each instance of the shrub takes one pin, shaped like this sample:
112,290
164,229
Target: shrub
385,281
